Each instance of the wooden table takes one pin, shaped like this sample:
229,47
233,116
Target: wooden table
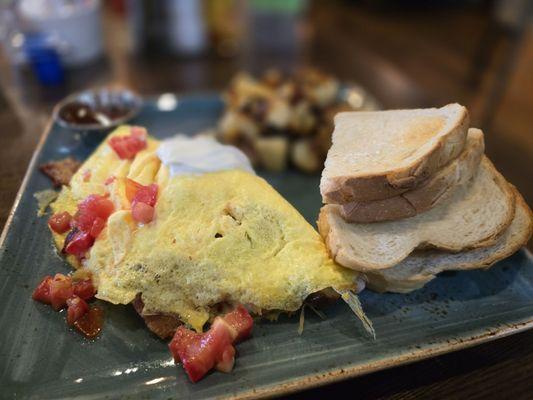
406,60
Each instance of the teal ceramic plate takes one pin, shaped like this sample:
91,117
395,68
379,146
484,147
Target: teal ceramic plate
41,358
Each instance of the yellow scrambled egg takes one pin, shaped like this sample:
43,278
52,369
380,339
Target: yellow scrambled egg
225,236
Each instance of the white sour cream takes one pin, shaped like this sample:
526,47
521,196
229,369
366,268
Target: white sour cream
184,155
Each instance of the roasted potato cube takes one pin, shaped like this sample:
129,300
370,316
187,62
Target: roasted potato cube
272,152
303,121
278,115
234,125
305,157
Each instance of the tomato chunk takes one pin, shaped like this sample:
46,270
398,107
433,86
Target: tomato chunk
137,193
90,324
42,291
55,291
97,227
240,321
146,194
60,222
227,360
87,224
200,352
142,212
77,307
92,207
126,147
78,242
138,131
84,289
142,199
60,290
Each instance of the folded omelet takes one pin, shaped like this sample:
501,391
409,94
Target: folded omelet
222,237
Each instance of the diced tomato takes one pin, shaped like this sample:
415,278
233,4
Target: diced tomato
142,199
227,360
77,307
60,290
84,289
60,222
126,147
200,352
183,347
137,193
138,131
87,223
142,212
92,207
97,227
42,291
241,322
109,180
90,324
146,194
78,242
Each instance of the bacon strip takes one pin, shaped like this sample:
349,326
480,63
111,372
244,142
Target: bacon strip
60,171
162,325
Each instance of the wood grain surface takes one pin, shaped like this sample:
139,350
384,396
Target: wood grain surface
407,59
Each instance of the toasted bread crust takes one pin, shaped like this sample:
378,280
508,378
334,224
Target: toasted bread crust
344,189
344,253
381,281
427,195
502,227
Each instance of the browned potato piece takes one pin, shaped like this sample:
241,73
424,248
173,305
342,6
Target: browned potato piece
302,119
278,115
305,157
234,125
272,152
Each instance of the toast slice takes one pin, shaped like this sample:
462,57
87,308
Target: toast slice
433,191
421,267
377,155
474,216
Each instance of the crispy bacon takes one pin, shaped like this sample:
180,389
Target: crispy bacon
200,352
60,171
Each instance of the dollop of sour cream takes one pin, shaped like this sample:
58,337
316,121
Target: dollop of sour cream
184,155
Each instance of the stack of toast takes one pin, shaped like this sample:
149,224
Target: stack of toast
410,193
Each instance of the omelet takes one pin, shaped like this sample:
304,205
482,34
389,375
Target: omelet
221,237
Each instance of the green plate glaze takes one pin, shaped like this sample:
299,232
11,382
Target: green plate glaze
41,358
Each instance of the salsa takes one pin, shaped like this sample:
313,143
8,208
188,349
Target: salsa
77,112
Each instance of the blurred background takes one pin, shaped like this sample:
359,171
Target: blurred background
412,53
